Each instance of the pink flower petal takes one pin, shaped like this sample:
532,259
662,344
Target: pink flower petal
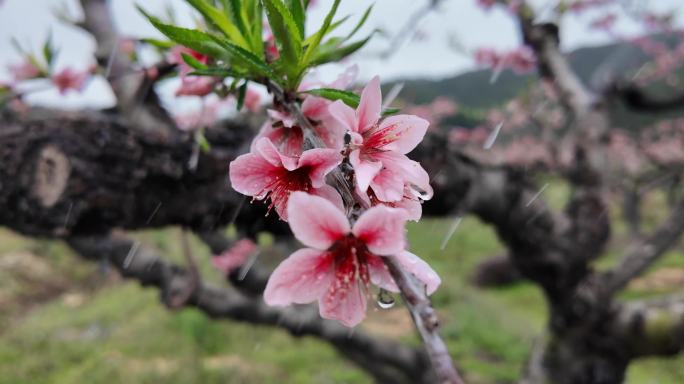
382,229
404,132
270,153
380,275
412,171
301,278
388,185
348,305
368,112
420,269
413,208
315,221
250,174
344,115
329,193
319,162
364,170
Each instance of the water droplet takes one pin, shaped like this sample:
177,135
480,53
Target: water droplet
385,299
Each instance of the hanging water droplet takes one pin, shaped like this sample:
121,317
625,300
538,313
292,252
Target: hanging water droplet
385,299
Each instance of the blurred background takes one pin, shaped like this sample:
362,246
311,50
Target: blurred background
63,320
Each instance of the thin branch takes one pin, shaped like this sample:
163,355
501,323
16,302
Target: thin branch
386,360
646,252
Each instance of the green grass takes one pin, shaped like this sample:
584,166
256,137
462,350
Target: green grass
121,333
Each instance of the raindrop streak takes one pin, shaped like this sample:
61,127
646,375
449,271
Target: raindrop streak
248,265
131,254
110,59
149,219
450,233
237,211
392,94
385,299
536,195
492,136
68,215
495,74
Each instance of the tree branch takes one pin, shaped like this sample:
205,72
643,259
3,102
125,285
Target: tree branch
646,252
653,327
386,360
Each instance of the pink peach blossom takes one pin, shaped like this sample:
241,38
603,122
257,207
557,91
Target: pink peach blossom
379,147
24,71
288,136
70,79
252,100
196,86
234,257
342,260
267,173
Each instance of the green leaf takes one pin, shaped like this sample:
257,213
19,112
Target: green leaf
241,95
321,33
218,72
332,27
196,40
287,35
390,111
162,44
299,15
247,59
348,97
192,62
202,141
49,51
220,20
361,22
334,53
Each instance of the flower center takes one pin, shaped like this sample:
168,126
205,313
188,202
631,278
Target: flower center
285,182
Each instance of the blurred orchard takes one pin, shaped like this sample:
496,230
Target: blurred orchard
257,191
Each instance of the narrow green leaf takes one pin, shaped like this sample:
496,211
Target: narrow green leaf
332,27
218,72
49,51
202,141
390,111
299,15
192,62
247,59
286,33
321,33
348,97
338,53
162,44
219,19
241,95
361,22
196,40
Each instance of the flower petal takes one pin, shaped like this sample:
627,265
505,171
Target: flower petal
413,208
368,111
380,275
344,116
364,170
301,278
413,173
319,162
402,133
329,193
315,221
270,153
382,229
347,305
420,269
250,174
388,185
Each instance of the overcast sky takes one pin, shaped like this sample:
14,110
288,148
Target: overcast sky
429,54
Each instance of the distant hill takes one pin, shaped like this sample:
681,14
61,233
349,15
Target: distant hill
594,65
